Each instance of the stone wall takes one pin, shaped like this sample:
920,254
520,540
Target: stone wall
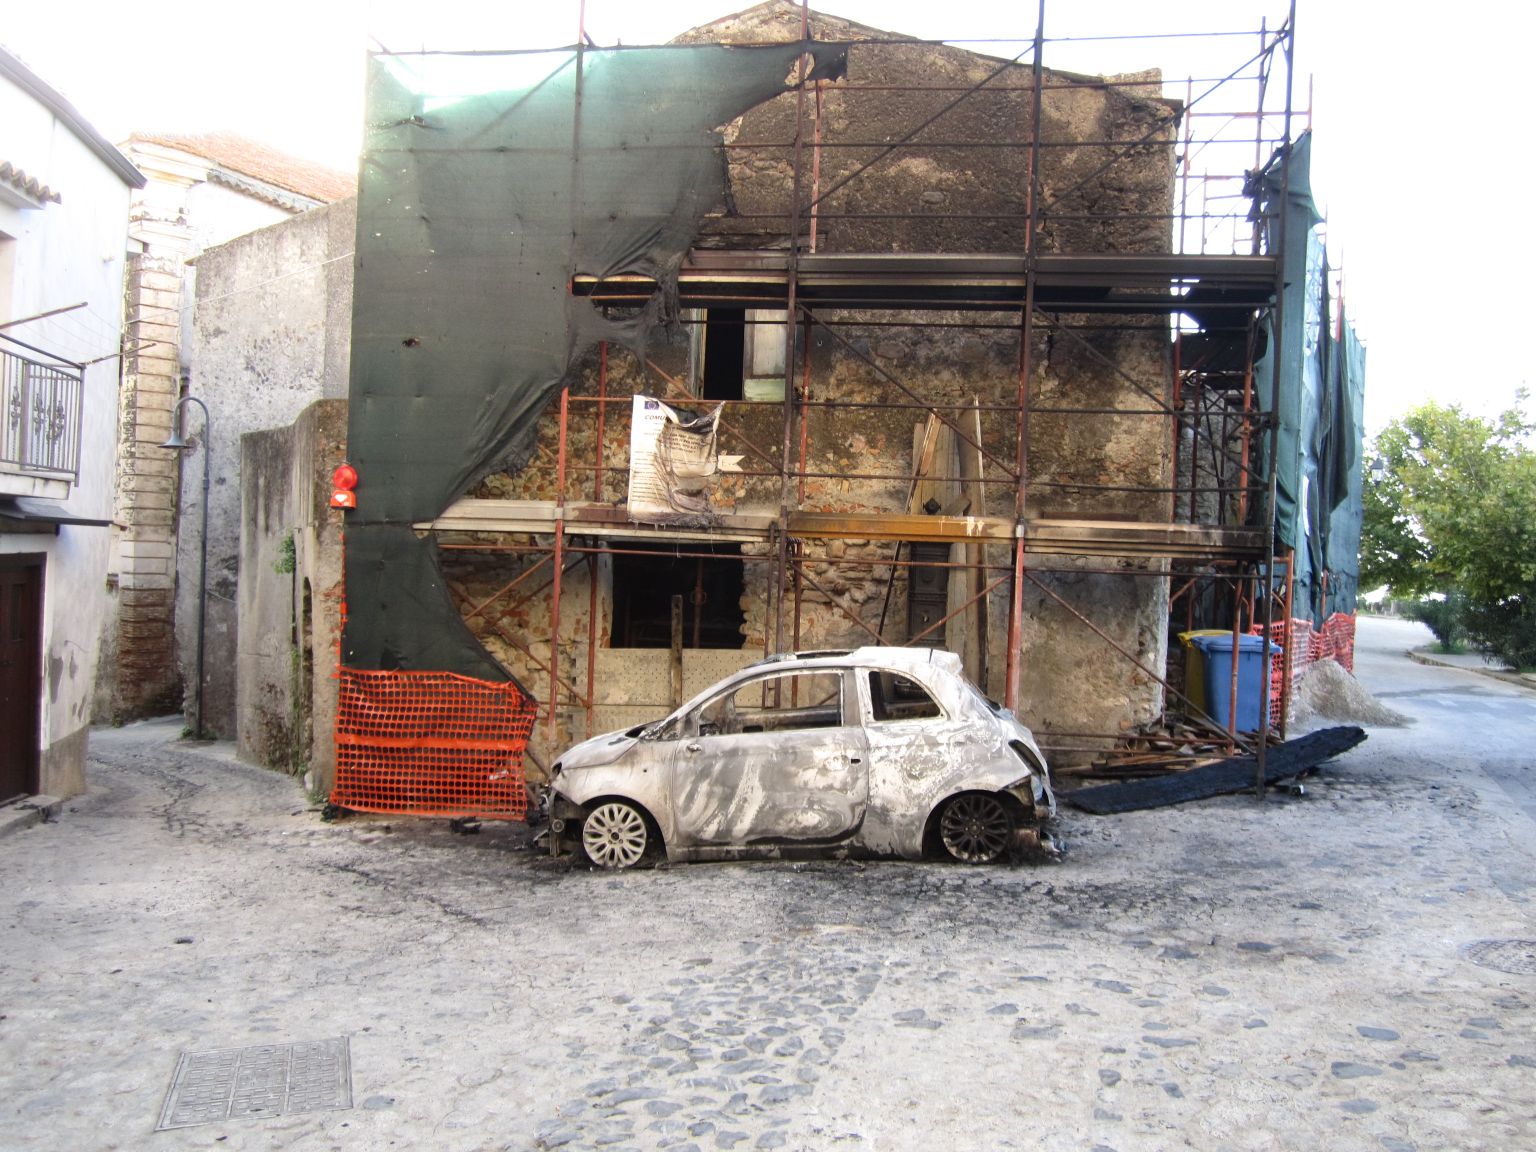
273,319
1071,678
929,195
1102,465
291,594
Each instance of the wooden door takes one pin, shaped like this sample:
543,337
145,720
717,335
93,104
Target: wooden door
21,638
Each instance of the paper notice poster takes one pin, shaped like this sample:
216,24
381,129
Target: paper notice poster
671,461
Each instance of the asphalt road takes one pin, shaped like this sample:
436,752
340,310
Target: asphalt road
1348,970
1461,717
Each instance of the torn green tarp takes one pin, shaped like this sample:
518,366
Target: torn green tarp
1288,171
487,181
1345,455
1319,414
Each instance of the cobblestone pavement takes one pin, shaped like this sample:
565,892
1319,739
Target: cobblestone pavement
1300,973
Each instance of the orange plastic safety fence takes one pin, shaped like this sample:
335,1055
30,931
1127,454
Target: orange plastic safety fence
1339,640
431,744
1304,644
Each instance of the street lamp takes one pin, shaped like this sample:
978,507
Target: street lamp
179,442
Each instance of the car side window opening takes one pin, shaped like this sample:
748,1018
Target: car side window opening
786,702
893,696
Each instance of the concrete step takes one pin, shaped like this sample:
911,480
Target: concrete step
27,811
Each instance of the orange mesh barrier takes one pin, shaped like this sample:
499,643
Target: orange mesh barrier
1303,644
431,744
1339,640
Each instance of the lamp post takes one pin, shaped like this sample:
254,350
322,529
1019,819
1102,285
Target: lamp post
179,442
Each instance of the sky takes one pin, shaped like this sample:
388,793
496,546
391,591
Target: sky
1417,111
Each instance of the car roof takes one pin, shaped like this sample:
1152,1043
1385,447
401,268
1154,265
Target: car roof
919,662
886,656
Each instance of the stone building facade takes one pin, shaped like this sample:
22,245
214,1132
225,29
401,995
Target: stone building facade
870,376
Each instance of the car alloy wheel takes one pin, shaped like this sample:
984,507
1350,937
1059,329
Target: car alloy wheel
976,828
614,835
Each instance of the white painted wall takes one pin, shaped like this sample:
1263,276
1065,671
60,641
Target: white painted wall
63,254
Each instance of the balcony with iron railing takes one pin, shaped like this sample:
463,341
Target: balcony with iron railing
40,411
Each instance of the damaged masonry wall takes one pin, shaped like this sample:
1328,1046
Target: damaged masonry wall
1072,680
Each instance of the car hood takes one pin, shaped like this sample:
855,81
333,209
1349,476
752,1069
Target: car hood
600,750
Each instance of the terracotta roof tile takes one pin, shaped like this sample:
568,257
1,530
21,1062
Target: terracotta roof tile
28,186
260,162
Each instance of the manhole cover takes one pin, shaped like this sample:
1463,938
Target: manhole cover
263,1080
1517,956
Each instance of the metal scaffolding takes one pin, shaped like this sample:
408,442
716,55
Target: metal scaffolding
1213,545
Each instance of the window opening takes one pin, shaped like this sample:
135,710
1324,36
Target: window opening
896,697
788,702
711,587
738,353
720,375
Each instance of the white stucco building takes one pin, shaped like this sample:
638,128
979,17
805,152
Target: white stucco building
64,196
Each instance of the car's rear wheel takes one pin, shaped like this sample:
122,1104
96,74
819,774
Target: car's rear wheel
615,835
977,827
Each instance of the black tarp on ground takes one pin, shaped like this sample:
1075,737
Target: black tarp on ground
487,181
1220,779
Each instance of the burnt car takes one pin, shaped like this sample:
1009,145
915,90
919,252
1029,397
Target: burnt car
877,751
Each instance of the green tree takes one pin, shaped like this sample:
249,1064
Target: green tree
1454,511
1391,550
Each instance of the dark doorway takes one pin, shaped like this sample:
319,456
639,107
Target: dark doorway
709,579
21,637
725,343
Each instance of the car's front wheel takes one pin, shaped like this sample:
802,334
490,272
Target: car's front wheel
977,827
615,834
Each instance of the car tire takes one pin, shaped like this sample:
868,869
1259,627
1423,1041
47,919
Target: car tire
615,834
977,827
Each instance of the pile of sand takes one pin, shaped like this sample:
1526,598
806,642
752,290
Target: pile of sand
1327,692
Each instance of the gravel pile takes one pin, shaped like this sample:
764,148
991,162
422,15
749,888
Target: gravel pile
1327,692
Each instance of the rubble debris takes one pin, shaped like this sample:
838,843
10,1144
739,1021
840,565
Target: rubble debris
1234,774
1170,744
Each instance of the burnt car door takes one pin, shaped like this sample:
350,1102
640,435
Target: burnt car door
913,743
779,758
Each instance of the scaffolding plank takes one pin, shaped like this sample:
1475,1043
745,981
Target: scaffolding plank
1129,539
1128,283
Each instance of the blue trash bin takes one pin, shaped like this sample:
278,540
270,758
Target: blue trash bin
1252,680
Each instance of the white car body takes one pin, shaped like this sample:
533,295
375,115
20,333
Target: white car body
893,734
